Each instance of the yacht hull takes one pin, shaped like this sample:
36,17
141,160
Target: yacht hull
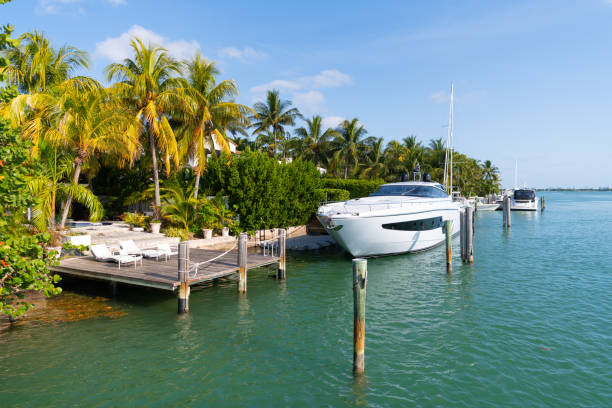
373,235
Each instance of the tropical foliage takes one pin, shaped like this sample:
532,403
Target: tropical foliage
162,132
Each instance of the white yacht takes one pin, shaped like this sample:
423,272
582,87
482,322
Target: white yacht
524,199
397,218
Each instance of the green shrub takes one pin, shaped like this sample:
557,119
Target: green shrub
263,192
181,233
331,194
357,188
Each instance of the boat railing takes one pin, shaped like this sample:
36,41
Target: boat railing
356,208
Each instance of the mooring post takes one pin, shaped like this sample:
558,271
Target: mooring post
113,286
360,281
469,234
462,234
543,203
506,208
183,277
448,229
242,262
282,240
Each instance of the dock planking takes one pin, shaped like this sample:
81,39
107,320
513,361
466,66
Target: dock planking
161,274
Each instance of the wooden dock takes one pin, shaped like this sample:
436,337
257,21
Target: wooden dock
161,274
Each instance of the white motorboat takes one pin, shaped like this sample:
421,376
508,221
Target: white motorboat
486,206
397,218
524,199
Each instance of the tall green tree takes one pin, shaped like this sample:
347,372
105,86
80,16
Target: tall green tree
211,114
275,114
49,186
374,166
34,65
315,141
152,89
349,143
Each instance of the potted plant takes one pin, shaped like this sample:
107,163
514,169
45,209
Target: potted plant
134,220
206,219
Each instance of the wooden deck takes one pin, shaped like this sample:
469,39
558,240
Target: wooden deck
160,274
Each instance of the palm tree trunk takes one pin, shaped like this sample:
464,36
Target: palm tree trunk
274,130
197,185
157,204
346,170
75,180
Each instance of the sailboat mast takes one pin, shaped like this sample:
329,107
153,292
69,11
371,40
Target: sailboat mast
448,157
516,174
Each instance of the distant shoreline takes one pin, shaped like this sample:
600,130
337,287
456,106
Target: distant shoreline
574,189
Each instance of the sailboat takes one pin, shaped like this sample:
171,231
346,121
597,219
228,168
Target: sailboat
398,217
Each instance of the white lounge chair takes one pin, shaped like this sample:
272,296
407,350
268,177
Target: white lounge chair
130,247
154,253
103,254
165,249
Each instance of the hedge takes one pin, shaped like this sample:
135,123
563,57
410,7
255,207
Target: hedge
263,192
331,194
356,188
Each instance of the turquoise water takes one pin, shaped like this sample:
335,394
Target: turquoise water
529,324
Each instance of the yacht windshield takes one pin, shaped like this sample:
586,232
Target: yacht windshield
409,190
524,195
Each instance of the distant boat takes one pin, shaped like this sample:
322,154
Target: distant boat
524,199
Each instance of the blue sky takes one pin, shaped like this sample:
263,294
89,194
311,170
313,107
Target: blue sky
533,79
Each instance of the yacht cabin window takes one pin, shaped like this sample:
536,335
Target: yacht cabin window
410,190
527,195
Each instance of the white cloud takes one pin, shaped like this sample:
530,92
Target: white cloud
440,97
53,6
328,78
280,84
332,121
118,48
61,6
309,102
245,55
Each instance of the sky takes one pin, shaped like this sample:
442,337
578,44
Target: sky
532,79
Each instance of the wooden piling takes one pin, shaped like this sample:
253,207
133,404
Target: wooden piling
462,235
448,228
282,240
506,211
542,203
360,280
113,286
242,262
469,234
183,277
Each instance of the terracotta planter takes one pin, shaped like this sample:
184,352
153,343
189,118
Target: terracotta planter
155,226
207,233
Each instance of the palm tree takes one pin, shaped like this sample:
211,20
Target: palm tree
78,115
395,154
274,115
415,152
349,142
35,65
180,206
48,186
490,174
151,87
374,166
315,141
211,114
264,142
